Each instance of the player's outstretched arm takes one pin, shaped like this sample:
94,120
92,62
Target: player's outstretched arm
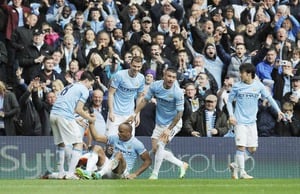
146,163
97,137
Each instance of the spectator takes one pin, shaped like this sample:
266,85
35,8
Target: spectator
233,62
22,36
80,25
207,121
264,68
43,107
88,43
213,64
50,36
62,19
13,20
282,80
290,124
3,62
128,14
29,117
294,95
57,86
96,23
47,74
32,57
266,119
156,62
143,38
71,51
192,102
56,9
223,93
9,109
147,115
290,24
100,109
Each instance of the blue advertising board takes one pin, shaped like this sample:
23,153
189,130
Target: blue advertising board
30,157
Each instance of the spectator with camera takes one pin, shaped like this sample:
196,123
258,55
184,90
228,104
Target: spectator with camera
294,95
282,75
289,125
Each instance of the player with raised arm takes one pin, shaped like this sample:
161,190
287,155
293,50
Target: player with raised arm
245,95
169,110
126,150
63,122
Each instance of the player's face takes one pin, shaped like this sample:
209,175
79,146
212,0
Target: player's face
135,67
169,79
245,77
124,134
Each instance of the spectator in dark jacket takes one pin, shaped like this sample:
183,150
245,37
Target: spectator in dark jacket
9,108
208,121
289,125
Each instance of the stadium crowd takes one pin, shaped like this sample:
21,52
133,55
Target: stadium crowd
46,45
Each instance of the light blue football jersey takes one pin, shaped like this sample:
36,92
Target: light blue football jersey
127,88
130,149
169,101
246,101
67,100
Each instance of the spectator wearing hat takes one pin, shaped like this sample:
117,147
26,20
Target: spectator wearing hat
33,55
143,38
156,62
207,121
147,114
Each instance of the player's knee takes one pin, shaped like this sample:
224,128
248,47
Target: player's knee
252,150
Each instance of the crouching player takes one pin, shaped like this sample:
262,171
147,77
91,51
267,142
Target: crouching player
126,149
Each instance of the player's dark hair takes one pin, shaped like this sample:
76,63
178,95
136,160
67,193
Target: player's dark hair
248,68
128,124
87,75
137,59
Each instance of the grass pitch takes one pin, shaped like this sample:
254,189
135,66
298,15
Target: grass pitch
143,186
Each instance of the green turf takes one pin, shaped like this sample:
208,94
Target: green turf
143,186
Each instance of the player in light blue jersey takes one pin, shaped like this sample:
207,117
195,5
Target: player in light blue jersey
245,95
126,150
126,86
169,110
63,121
